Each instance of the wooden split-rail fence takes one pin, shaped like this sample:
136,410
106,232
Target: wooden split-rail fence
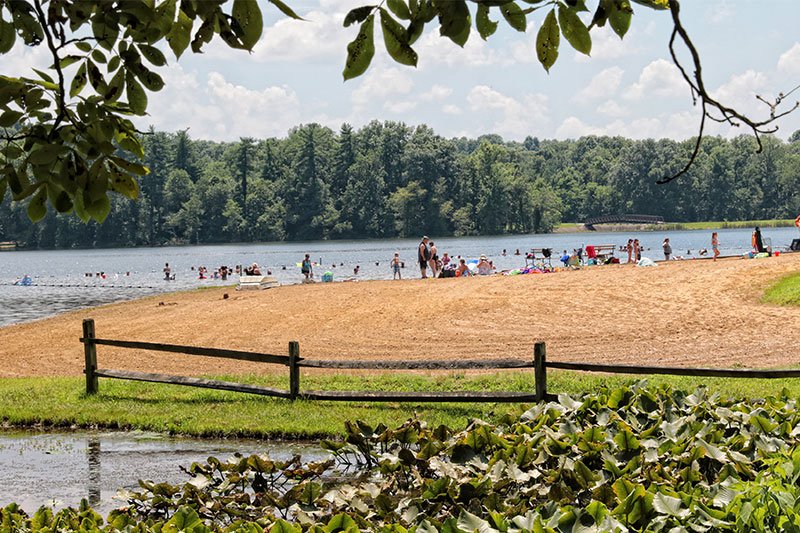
294,362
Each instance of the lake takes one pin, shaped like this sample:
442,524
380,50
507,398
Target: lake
60,282
59,469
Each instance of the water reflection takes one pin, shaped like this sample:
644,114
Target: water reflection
95,481
60,469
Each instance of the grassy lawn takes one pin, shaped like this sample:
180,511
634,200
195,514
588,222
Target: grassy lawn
201,412
785,292
778,223
669,226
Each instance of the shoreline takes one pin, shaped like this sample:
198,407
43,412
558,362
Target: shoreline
683,312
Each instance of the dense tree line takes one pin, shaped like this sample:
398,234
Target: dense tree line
392,180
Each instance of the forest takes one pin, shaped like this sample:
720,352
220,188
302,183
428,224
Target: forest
389,179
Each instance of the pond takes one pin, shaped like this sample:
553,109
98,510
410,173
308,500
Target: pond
58,469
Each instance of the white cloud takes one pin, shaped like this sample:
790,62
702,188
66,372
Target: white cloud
676,126
740,93
606,45
435,50
399,107
21,59
789,62
451,109
319,37
720,12
603,85
573,127
379,83
658,79
220,110
611,108
518,118
436,93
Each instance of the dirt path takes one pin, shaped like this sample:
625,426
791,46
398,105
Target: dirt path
681,313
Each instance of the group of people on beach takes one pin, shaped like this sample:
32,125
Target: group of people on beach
446,266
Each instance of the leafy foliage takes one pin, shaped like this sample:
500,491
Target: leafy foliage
68,138
388,179
405,20
636,458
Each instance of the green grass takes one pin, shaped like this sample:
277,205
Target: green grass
60,402
785,291
677,226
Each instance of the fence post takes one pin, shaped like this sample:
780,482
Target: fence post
90,353
294,370
540,370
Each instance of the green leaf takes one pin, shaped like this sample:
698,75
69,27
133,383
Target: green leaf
184,519
36,207
9,118
514,16
83,46
69,60
486,26
153,55
180,34
454,20
399,8
619,16
654,4
286,10
358,14
282,526
574,30
46,154
7,36
78,82
99,56
248,15
137,98
361,50
470,522
668,505
45,76
396,40
341,522
547,41
96,77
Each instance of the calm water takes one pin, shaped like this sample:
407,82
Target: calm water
58,470
61,284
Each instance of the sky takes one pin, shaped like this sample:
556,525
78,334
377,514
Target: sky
627,87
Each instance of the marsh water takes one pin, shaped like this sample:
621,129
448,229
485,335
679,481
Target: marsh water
59,469
60,280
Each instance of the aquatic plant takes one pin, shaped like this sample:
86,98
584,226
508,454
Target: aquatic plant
634,458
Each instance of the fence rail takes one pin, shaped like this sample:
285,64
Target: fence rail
294,362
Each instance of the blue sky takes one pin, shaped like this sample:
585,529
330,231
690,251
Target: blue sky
627,87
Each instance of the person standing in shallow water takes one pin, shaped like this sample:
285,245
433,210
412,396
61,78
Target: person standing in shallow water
423,256
667,249
433,253
715,244
306,268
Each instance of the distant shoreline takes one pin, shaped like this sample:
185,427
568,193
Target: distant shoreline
578,227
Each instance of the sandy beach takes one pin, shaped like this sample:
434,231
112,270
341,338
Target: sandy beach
684,313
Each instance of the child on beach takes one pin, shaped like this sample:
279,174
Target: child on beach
305,267
463,269
629,249
715,244
395,264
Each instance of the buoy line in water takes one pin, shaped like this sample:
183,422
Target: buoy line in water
84,286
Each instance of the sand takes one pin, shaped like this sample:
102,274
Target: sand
685,313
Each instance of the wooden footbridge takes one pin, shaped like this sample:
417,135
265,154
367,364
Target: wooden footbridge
622,219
